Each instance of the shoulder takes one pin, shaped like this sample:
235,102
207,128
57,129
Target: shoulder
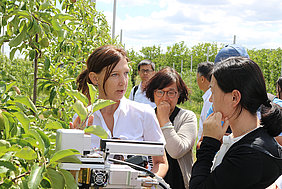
183,113
260,140
137,106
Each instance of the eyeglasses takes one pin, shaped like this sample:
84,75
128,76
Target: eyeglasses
170,94
146,71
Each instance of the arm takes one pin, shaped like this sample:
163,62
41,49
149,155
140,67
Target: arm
160,165
178,143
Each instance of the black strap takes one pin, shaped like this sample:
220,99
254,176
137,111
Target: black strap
135,88
174,114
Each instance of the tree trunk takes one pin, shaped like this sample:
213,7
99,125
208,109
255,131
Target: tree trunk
35,73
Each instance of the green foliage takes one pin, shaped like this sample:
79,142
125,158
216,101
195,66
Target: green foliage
59,40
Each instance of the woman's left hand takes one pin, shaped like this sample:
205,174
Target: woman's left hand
212,126
163,111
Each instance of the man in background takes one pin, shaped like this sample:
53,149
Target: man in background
146,70
203,80
232,50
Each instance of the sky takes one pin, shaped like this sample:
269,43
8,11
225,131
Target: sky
255,23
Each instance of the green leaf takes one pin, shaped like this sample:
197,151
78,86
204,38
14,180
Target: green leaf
78,95
70,159
19,38
8,87
2,88
55,24
26,153
22,13
52,95
12,53
69,80
8,165
47,64
80,110
57,179
64,17
45,139
37,136
69,179
23,119
92,92
26,101
63,153
101,103
53,125
96,130
35,176
45,6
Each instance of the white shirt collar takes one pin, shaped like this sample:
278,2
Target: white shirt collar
207,95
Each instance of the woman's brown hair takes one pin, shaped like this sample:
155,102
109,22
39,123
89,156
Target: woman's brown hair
106,56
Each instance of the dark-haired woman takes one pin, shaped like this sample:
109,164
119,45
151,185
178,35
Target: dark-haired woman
167,89
249,157
107,69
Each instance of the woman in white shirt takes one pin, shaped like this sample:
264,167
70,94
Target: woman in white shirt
107,69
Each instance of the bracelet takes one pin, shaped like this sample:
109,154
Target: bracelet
167,125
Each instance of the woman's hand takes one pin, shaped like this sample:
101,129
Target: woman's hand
76,124
212,126
163,111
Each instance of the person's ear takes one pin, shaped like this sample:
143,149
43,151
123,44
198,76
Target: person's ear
236,97
202,79
93,78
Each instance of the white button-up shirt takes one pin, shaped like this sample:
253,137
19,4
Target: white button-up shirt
132,121
140,96
206,105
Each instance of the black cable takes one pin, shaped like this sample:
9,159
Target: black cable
137,167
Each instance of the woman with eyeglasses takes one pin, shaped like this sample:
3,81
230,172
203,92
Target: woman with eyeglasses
167,89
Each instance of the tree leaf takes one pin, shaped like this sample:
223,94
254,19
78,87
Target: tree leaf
92,92
53,125
57,179
8,165
70,159
2,88
26,101
22,13
56,24
19,38
45,6
96,130
52,95
37,136
78,96
35,176
23,119
101,103
69,80
64,17
69,179
45,139
63,153
80,110
12,53
26,153
47,64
